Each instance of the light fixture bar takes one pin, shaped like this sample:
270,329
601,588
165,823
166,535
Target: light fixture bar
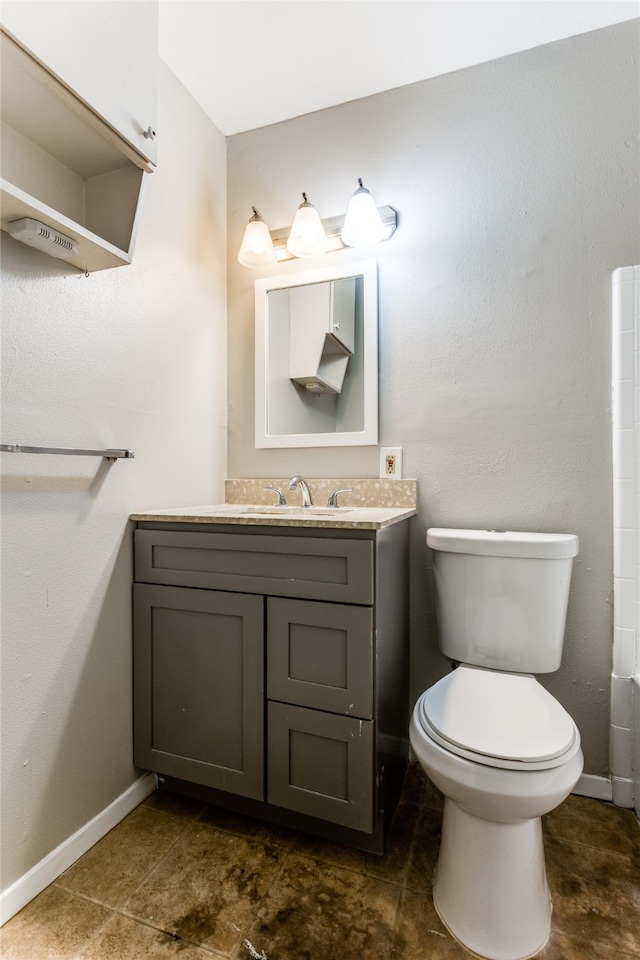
333,228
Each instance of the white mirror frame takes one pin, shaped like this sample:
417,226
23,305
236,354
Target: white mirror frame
368,270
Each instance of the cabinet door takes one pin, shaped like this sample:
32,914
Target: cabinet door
321,764
343,312
321,655
105,52
199,686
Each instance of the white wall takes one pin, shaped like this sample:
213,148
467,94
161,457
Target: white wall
516,187
131,357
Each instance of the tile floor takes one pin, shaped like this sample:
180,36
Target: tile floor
179,879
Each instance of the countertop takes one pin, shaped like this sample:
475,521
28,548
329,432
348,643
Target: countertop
365,504
353,518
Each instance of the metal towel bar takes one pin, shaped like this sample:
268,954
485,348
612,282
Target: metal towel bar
68,451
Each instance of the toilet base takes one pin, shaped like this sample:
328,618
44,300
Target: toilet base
490,886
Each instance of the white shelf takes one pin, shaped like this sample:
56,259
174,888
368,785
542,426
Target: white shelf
63,166
94,252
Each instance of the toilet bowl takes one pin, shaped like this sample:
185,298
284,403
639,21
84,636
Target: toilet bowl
498,746
490,888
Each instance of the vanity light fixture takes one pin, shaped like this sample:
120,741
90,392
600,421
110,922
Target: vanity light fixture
363,226
307,237
257,248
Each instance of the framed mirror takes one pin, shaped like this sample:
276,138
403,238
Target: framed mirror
317,357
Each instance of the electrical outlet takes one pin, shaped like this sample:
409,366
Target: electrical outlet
391,463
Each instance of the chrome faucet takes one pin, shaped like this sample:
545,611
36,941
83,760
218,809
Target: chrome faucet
304,490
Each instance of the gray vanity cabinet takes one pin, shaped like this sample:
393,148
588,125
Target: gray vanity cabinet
270,670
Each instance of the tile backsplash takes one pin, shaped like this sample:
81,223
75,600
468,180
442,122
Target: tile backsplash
366,493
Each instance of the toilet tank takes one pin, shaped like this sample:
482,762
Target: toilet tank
502,596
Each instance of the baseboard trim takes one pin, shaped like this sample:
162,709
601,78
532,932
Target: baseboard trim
598,788
18,895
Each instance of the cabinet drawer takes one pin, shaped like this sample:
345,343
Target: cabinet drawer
320,655
321,764
319,569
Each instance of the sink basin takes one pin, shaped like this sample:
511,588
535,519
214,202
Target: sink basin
288,510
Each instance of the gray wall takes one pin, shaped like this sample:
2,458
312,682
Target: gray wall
516,184
130,357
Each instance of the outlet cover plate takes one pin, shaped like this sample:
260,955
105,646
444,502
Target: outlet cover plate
391,463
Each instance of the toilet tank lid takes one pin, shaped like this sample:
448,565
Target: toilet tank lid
503,543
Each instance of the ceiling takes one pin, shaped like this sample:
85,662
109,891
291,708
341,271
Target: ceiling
249,63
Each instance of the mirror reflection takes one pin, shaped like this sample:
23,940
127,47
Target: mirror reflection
316,357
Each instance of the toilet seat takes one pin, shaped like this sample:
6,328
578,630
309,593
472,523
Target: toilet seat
503,720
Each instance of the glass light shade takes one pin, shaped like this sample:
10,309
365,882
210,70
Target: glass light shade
257,247
307,237
363,225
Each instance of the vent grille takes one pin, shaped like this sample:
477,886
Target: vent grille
42,237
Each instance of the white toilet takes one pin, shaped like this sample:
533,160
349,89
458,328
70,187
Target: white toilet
499,747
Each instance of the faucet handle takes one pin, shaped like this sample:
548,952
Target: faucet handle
333,499
280,502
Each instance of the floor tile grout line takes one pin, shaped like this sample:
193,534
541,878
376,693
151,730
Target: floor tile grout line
147,877
274,880
207,806
405,877
134,889
172,936
347,869
78,954
399,904
96,934
405,884
120,911
591,846
243,834
366,876
109,906
288,847
82,896
316,860
193,824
